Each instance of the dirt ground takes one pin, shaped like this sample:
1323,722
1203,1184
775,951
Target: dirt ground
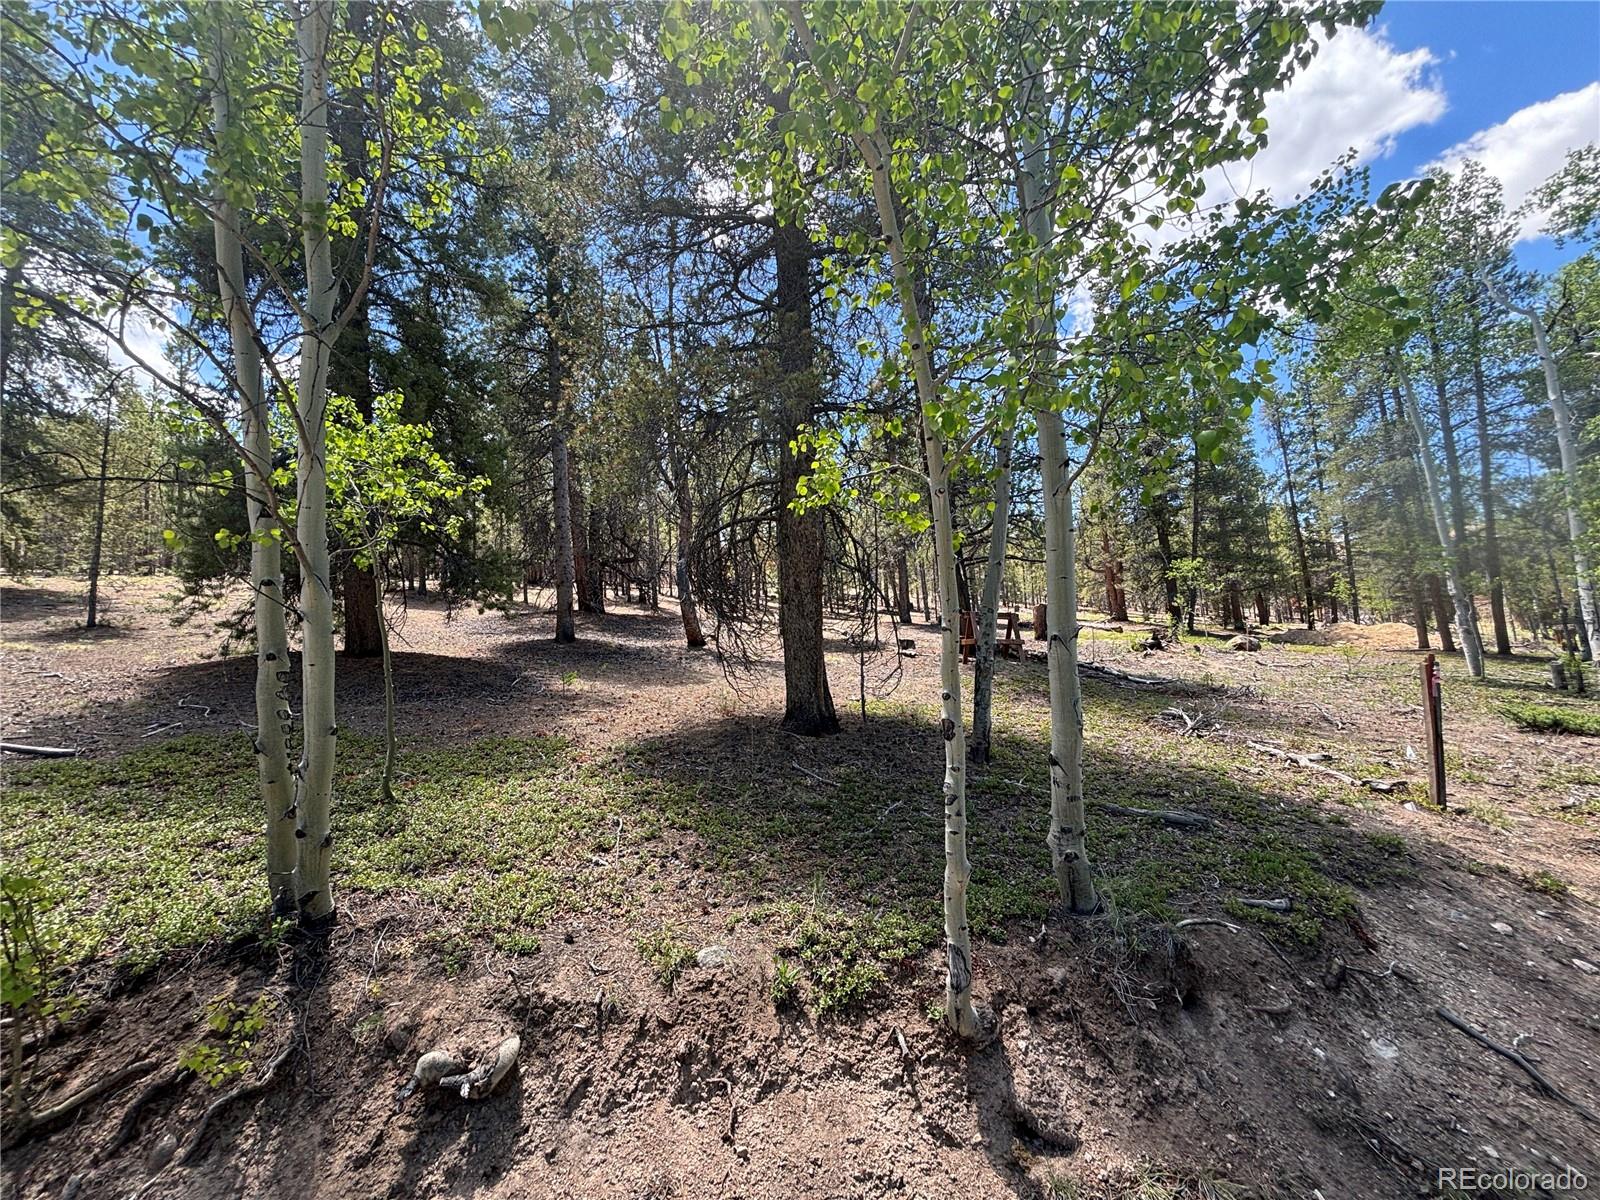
1207,1059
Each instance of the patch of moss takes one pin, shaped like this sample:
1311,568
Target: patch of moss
667,954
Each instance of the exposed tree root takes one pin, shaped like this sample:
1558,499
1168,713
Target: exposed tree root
31,1125
242,1092
1167,816
1506,1052
130,1119
1314,762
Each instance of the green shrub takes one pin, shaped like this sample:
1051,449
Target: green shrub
1547,718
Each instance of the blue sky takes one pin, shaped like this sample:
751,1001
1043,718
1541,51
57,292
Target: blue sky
1497,57
1512,83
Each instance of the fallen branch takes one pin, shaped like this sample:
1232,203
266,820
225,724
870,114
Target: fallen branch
243,1092
809,774
1506,1052
40,751
1277,905
1281,1009
1193,723
162,728
30,1125
184,703
1189,922
1167,816
1313,762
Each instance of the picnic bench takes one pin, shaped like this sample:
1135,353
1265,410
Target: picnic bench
1008,635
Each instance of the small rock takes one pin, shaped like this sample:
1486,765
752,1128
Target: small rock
1587,967
1501,927
1244,642
1383,1048
714,956
161,1153
402,1030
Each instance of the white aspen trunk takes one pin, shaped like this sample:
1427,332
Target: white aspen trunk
960,1013
314,800
1467,625
1576,526
959,1010
994,571
565,632
1069,852
273,725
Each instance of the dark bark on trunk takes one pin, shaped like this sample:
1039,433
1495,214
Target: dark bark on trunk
1116,598
807,701
902,587
1441,613
581,577
596,572
565,629
1192,600
1419,612
1350,570
350,364
100,514
1161,519
1310,608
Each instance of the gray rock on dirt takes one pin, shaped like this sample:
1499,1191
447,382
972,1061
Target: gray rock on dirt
714,956
1244,642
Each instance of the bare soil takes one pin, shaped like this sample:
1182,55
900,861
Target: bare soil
1200,1057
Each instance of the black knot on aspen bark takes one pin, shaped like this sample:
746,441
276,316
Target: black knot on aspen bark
327,839
944,695
283,714
1054,761
333,731
947,727
271,657
300,833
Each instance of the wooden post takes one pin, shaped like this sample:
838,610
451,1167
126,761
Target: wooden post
1433,730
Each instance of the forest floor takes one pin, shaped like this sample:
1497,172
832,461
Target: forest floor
720,944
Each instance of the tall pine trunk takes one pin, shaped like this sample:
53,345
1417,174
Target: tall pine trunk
565,631
350,370
319,744
1491,538
807,700
1566,441
1466,625
979,749
100,511
688,610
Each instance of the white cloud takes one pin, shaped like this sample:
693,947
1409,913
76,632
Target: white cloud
1359,93
1529,146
